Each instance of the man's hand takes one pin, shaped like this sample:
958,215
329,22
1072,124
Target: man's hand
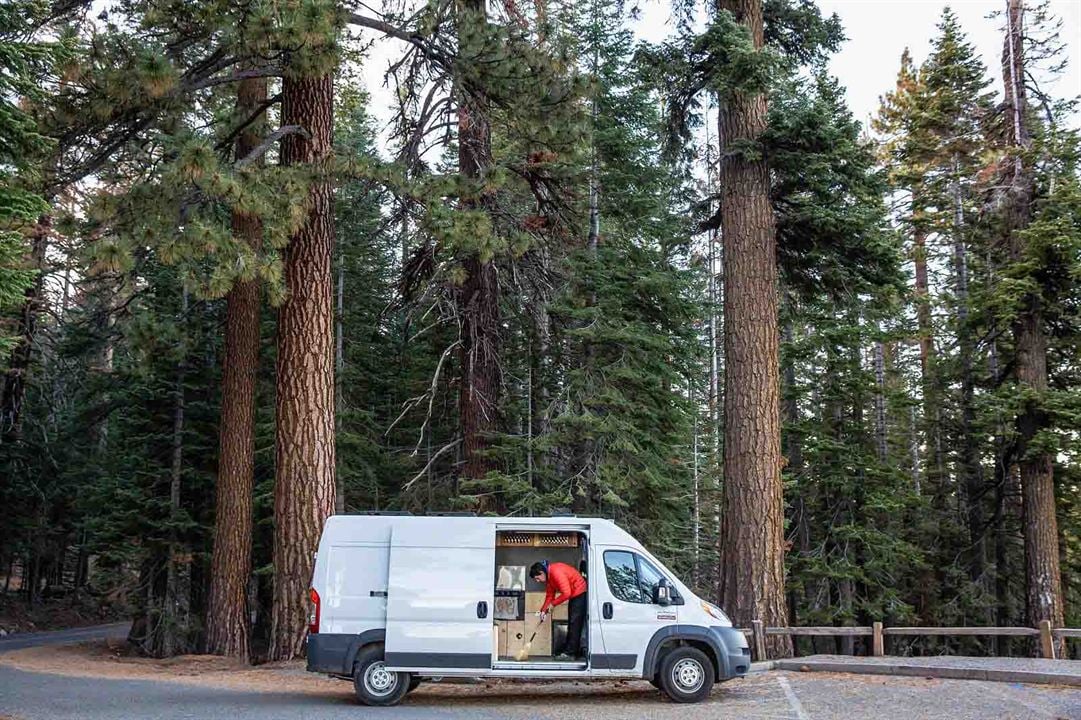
541,614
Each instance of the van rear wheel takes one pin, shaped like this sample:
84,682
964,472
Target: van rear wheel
686,675
374,684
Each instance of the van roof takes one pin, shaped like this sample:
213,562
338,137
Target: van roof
367,527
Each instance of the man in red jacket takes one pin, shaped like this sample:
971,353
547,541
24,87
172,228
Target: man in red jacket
564,585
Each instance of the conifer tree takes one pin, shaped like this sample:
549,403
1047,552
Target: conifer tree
27,67
752,562
955,109
227,616
304,409
1042,573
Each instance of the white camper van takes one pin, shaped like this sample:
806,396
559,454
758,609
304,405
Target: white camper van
397,599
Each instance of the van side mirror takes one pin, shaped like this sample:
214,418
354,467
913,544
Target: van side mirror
662,594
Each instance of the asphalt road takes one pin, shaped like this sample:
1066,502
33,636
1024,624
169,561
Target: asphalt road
765,696
19,641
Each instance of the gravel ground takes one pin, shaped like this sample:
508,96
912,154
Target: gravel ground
766,696
196,688
974,663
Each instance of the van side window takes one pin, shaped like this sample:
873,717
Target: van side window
623,576
647,578
632,578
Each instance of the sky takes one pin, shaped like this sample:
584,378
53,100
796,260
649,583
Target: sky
878,32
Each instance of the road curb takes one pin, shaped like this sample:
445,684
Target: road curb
929,671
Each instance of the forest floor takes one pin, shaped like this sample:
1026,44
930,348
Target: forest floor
98,681
75,610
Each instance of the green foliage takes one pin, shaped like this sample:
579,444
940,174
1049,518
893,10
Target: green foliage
827,195
27,64
602,408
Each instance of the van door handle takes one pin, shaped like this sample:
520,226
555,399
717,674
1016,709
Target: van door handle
606,610
378,593
482,609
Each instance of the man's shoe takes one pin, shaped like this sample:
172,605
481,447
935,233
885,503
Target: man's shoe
563,657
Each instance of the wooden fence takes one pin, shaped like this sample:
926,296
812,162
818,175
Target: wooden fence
878,632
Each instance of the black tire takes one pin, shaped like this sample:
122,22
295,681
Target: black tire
375,685
414,683
686,675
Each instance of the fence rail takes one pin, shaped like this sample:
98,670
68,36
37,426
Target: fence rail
758,632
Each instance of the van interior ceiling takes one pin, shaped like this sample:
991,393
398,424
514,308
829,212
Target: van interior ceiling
518,636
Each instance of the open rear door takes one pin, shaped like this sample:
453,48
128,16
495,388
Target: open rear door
440,595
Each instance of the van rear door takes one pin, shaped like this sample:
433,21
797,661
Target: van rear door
440,595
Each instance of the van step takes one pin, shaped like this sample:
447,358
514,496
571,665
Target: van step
539,665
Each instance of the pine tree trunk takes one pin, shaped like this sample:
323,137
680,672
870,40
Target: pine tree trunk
752,554
1042,572
228,631
793,452
932,411
881,444
171,626
478,297
13,383
304,444
339,368
971,469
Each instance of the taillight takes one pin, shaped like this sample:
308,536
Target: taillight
313,619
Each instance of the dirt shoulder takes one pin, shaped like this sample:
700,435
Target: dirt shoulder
108,659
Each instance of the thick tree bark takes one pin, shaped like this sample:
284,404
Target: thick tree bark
304,444
752,553
339,368
228,628
1042,572
478,297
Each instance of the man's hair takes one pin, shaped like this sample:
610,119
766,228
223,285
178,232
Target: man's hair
537,568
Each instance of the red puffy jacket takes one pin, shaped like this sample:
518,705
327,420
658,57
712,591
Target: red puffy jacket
566,581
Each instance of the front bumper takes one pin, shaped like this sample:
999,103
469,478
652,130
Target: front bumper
735,660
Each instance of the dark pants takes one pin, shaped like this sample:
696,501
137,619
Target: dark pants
576,618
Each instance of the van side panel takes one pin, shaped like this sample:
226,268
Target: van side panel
441,595
355,590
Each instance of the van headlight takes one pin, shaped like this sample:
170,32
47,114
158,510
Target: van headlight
714,611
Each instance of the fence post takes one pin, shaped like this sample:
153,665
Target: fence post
759,640
1047,640
878,644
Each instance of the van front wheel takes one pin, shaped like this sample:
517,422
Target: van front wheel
374,684
686,675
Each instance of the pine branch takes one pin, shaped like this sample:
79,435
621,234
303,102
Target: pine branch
228,139
260,149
